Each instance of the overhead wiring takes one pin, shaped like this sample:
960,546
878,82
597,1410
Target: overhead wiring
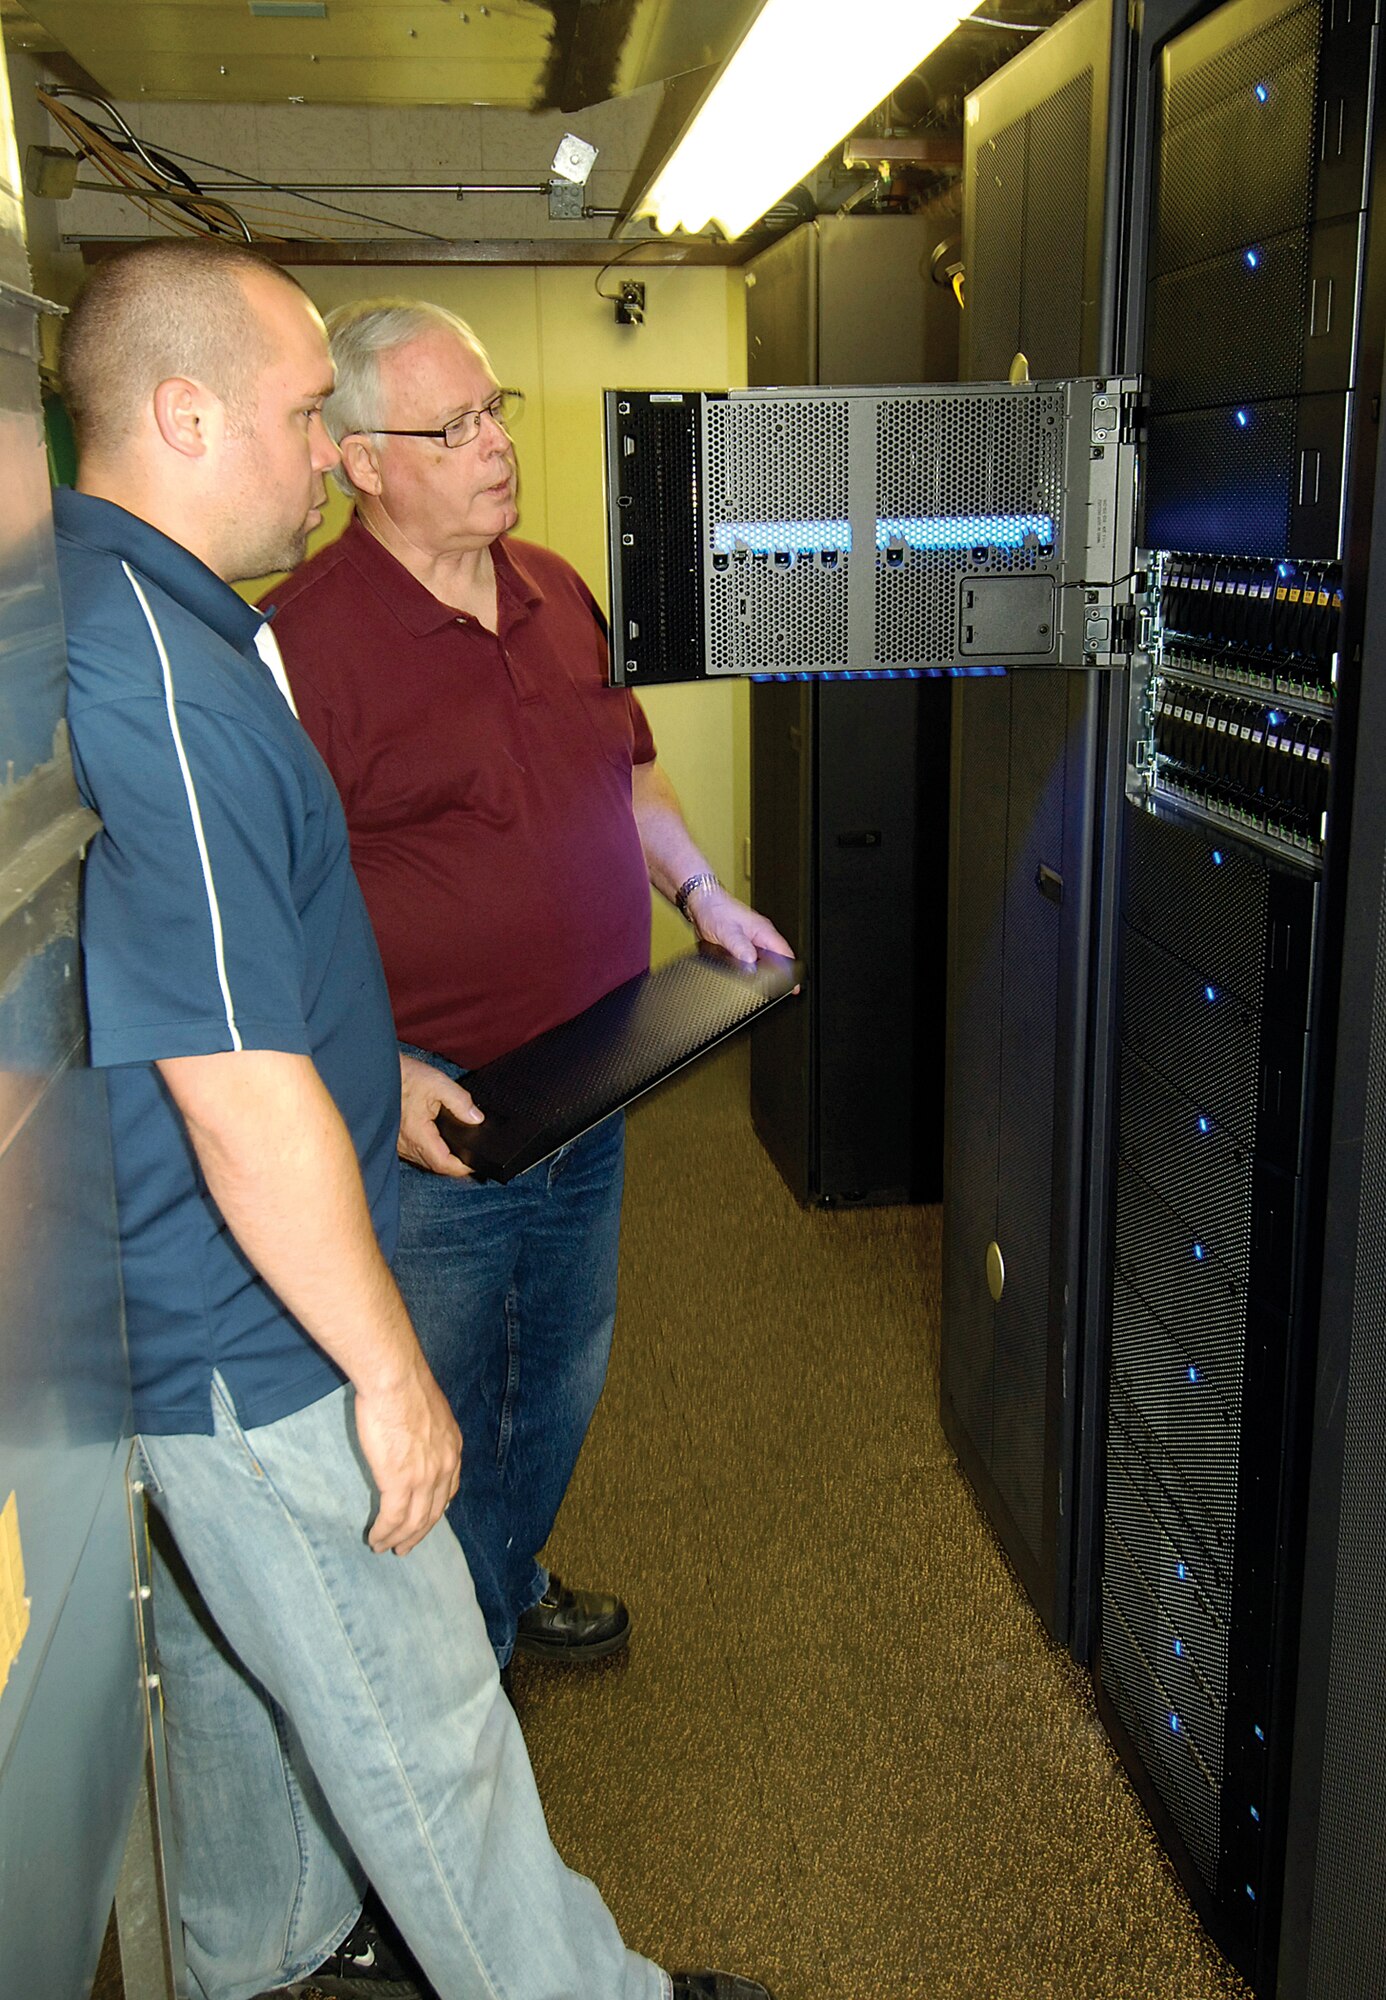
127,163
642,243
252,184
155,181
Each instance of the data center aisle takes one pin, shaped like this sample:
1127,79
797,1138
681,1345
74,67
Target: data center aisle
841,1753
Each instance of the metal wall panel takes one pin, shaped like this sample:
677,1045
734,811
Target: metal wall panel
71,1706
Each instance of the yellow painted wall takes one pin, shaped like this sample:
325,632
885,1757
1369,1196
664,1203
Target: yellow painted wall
548,333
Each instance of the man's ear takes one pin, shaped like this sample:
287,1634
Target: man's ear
360,464
188,415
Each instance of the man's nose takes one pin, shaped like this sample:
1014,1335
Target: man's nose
325,452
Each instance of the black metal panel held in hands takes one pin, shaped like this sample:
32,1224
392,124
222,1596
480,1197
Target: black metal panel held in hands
561,1084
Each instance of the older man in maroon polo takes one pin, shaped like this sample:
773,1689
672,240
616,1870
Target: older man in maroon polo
507,817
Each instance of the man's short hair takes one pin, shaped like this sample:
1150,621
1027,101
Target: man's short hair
164,309
360,334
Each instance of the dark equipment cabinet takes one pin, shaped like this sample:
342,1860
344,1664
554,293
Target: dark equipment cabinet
1240,1686
1031,757
1163,1365
849,784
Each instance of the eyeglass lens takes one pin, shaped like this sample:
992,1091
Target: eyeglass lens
502,409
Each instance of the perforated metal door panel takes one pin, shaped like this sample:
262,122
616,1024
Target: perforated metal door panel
980,457
837,528
561,1084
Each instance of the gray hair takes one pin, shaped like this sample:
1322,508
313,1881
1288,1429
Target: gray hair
360,333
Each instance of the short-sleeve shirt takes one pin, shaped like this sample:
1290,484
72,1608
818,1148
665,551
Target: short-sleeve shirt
486,778
219,912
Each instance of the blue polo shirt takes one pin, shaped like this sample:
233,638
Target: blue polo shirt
219,912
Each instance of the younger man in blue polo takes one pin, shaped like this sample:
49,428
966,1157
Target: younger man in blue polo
334,1709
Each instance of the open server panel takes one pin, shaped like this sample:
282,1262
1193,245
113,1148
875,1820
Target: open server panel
786,533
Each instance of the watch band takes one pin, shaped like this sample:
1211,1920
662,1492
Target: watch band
690,888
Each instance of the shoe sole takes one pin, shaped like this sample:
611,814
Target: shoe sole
593,1649
334,1986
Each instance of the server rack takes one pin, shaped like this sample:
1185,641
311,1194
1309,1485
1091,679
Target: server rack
1262,353
1202,1315
849,795
1036,761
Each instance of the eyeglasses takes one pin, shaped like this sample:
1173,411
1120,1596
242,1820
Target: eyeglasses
504,409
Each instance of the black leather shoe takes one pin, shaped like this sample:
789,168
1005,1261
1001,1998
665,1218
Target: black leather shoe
717,1986
372,1962
573,1624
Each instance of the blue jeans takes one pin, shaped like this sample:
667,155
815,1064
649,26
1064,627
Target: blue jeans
512,1290
336,1715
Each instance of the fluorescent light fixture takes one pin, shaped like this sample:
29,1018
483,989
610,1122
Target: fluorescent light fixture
805,75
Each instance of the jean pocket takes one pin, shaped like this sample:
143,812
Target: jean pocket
228,1424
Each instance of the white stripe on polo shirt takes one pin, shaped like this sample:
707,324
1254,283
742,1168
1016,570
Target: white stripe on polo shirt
267,646
213,906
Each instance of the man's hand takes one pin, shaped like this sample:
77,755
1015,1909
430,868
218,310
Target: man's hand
281,1167
720,919
414,1450
425,1091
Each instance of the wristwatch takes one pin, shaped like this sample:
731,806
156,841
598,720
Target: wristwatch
690,888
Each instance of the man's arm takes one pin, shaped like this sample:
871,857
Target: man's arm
281,1167
673,857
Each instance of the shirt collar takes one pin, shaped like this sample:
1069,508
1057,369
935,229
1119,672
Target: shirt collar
101,524
415,606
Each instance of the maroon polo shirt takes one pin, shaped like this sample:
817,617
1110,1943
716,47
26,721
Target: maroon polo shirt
487,784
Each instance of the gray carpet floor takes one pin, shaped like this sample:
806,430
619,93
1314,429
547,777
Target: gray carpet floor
841,1753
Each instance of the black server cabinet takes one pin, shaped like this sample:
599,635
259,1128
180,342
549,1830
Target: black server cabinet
1333,1940
849,784
1262,355
1030,762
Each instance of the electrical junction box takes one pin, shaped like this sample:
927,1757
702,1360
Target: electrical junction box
885,532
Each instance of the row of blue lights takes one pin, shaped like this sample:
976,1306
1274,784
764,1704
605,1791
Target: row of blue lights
879,674
923,532
967,531
1205,1124
764,538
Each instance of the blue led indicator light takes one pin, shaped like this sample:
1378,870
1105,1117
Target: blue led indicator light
1261,93
1193,1373
1285,569
1181,1571
1259,1733
1205,1123
1254,1814
1179,1647
1174,1722
1218,857
1199,1253
1251,1892
1210,994
1253,258
832,538
1242,419
968,531
1274,717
